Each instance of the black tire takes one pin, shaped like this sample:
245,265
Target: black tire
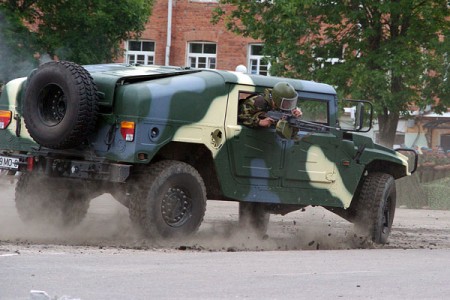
60,105
50,201
375,208
253,216
170,201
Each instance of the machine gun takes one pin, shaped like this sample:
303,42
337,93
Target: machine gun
288,125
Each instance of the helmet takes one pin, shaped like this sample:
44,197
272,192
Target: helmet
284,96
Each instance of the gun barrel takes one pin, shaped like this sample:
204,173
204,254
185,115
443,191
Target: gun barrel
296,122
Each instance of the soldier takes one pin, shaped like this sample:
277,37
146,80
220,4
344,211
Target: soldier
252,110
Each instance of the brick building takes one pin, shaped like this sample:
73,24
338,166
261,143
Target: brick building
193,41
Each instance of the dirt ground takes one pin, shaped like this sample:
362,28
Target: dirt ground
107,226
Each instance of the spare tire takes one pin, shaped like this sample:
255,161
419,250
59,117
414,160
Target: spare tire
60,105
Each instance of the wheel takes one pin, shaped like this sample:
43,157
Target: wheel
253,216
61,104
47,200
170,201
375,208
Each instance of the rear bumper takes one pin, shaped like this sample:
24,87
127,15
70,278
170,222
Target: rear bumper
63,167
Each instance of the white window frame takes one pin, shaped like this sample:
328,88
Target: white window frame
255,65
201,60
140,57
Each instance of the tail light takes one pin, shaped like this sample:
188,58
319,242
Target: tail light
127,130
5,118
30,163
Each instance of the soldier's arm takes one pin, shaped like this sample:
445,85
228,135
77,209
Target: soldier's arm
252,112
247,117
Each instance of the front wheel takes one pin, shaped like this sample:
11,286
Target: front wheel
376,207
170,200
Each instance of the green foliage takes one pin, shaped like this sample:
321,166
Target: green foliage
90,31
410,192
83,31
438,193
392,53
430,185
16,48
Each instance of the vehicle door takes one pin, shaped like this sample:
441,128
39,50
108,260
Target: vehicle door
309,158
255,154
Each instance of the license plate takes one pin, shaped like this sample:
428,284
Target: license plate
9,163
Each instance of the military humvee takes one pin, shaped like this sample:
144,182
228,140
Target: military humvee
162,140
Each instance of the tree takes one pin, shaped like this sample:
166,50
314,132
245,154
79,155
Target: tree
16,44
82,31
394,52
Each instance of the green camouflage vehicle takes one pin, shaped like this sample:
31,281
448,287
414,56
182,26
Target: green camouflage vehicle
163,140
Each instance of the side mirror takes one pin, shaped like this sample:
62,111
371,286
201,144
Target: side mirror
359,116
355,115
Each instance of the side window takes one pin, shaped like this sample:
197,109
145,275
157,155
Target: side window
243,95
314,110
140,52
202,55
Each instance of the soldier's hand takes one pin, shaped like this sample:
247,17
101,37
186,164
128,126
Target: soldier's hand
297,112
266,122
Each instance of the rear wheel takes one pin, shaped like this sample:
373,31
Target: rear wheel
375,208
253,216
48,200
170,201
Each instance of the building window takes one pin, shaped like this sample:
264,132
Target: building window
140,52
445,142
202,55
258,64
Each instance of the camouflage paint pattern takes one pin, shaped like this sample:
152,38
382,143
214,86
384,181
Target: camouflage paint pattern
11,99
201,107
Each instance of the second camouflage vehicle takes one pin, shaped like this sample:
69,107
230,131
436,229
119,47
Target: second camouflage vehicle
163,140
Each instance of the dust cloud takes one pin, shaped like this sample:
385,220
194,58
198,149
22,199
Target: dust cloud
107,225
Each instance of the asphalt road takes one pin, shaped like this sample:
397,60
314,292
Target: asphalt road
119,274
104,258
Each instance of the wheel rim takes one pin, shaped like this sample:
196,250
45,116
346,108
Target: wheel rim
52,105
176,207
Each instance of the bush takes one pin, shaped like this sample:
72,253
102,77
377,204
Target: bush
433,165
410,192
438,193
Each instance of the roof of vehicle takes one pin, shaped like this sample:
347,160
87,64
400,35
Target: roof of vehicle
137,73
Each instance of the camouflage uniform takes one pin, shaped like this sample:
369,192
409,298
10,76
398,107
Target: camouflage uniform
252,109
